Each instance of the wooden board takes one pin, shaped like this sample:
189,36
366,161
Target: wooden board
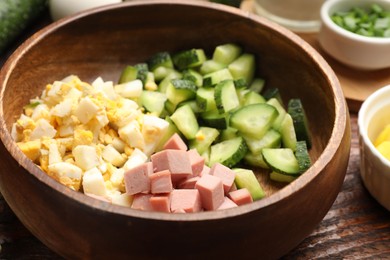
357,85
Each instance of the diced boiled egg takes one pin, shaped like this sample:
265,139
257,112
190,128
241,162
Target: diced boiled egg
86,157
111,155
131,134
86,110
43,129
135,159
93,182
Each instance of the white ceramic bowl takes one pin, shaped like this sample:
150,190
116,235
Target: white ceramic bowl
357,51
374,167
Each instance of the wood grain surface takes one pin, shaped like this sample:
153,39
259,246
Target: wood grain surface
356,226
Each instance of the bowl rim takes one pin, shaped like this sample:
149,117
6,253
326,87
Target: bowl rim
328,6
331,148
366,112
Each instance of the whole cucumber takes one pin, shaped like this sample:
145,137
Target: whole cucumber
15,16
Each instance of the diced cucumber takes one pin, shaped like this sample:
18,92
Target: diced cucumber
287,130
185,120
189,59
281,160
214,78
172,129
130,73
303,157
205,99
228,152
206,156
193,75
282,112
257,85
228,133
160,59
161,72
255,160
243,67
226,97
240,84
298,114
271,139
210,66
192,103
150,83
272,93
226,53
162,87
169,107
153,101
204,138
252,97
254,120
247,179
279,177
214,119
180,90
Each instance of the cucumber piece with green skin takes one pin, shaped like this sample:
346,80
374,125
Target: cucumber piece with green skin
271,139
193,75
130,73
273,93
279,177
298,114
226,53
204,138
210,66
153,101
205,99
172,129
180,90
185,120
255,160
229,152
243,67
192,103
228,133
162,86
160,59
189,59
303,156
257,85
206,156
211,79
289,138
16,16
282,112
161,72
169,107
252,97
240,84
226,97
214,119
246,178
254,120
281,160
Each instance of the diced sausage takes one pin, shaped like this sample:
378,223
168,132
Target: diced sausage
226,174
137,179
176,161
197,162
185,199
160,182
206,170
211,191
227,204
161,203
142,202
188,183
175,143
241,196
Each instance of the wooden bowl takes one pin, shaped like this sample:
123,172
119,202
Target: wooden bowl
101,42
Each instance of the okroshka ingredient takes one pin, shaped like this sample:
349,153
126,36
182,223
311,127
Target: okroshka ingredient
61,8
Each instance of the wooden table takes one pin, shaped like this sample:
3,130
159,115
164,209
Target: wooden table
355,227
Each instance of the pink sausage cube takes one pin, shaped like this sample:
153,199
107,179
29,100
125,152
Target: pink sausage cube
185,199
227,204
188,183
226,174
176,161
175,143
197,162
241,196
205,170
160,182
211,191
142,202
137,179
160,203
